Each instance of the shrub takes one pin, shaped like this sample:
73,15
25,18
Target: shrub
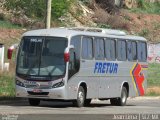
31,8
86,1
2,16
111,21
108,5
147,7
60,7
144,32
101,16
37,8
117,22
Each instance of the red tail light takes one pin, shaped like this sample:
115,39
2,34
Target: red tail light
66,57
9,54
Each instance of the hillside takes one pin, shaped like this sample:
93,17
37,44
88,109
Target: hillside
146,25
133,21
10,36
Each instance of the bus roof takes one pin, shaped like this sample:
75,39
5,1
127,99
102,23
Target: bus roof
69,32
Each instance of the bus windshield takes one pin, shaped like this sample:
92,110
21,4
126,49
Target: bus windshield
41,56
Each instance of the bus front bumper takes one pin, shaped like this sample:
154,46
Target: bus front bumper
55,93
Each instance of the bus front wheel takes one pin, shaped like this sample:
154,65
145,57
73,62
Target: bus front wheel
81,97
34,102
121,101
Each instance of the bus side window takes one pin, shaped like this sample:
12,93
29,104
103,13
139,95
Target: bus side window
99,49
76,42
131,50
110,49
142,52
121,50
87,48
72,63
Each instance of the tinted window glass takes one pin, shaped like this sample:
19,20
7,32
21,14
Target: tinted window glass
131,51
121,50
110,49
142,53
76,41
99,49
42,56
87,50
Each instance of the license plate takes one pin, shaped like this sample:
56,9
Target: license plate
37,91
30,82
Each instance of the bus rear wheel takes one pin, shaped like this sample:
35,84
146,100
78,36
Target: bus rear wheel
81,97
121,101
34,102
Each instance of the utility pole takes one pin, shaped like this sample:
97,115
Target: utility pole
48,13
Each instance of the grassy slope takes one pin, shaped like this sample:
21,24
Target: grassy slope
153,80
7,87
8,25
8,35
154,74
149,8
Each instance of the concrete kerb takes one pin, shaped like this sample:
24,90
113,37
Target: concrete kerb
136,98
145,98
11,100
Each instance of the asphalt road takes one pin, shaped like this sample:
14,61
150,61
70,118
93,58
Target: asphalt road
142,108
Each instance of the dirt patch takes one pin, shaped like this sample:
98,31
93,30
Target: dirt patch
153,90
147,25
9,36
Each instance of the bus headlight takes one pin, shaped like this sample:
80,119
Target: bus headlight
19,83
59,84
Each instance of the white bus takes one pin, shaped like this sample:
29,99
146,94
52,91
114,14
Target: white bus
80,64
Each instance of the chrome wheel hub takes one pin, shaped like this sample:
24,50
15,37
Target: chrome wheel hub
80,97
124,96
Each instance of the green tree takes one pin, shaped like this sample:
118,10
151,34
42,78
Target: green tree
31,8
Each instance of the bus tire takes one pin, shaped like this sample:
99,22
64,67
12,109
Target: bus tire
81,97
87,102
121,101
34,102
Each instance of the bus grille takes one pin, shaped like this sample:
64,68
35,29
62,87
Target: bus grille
39,87
41,93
